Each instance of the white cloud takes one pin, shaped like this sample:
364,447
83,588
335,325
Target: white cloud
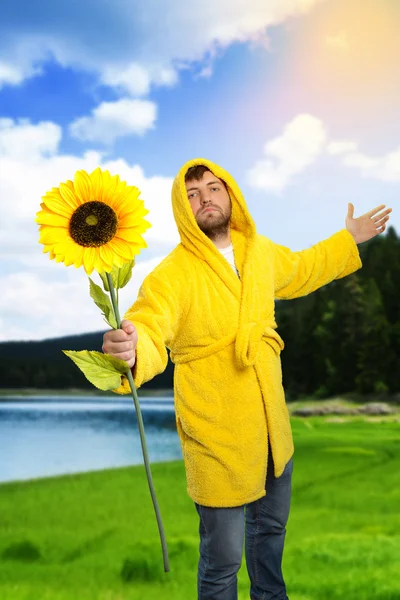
26,176
301,142
110,120
360,161
24,140
158,38
30,168
385,168
58,308
134,79
341,147
10,75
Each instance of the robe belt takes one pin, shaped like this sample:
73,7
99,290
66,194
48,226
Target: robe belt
246,341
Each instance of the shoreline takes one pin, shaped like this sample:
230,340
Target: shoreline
70,392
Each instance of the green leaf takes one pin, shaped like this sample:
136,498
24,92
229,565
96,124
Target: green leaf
119,276
104,303
103,276
125,274
102,370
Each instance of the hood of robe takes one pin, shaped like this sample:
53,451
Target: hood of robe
191,235
251,289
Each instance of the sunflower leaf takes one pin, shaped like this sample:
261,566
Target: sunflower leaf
104,303
103,276
119,276
114,278
102,370
124,274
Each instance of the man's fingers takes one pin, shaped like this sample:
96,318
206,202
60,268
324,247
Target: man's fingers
382,215
127,326
373,212
120,340
117,347
126,356
350,211
380,222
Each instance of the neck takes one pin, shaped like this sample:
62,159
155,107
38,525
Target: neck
221,241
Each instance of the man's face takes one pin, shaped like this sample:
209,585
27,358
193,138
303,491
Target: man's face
210,192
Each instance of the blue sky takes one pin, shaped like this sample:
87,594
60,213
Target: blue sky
299,101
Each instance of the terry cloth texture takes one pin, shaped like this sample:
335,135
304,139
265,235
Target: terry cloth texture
230,257
221,333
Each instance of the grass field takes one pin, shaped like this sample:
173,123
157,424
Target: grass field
94,536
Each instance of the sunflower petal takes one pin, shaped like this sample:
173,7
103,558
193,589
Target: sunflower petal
107,254
47,210
122,249
99,264
56,203
96,179
69,196
63,246
128,204
45,217
133,218
146,224
70,253
83,186
129,235
119,194
78,256
52,235
89,258
106,184
110,186
133,247
111,256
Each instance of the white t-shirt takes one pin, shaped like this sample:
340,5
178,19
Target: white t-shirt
228,253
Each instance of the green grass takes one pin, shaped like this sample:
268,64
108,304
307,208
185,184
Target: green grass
94,536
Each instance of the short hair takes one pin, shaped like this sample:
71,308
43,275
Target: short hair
197,173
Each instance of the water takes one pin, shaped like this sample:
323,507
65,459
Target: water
44,436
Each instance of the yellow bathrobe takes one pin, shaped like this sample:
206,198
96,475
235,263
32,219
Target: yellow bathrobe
221,333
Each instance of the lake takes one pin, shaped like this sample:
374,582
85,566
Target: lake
44,436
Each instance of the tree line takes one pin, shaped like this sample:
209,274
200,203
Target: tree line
343,338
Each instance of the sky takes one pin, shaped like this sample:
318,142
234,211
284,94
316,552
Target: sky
297,99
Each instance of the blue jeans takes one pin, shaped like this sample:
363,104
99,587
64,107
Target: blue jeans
221,542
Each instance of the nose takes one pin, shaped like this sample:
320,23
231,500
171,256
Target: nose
206,197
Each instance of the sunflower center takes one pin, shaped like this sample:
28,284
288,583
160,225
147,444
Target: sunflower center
93,224
91,220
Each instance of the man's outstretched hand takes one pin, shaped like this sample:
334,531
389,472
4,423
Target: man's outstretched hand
369,225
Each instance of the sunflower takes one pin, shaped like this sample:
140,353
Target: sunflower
95,221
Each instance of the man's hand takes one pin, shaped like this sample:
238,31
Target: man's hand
121,343
369,225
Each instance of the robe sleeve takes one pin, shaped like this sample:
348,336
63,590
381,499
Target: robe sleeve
156,315
300,273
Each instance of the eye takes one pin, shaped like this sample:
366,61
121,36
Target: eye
215,188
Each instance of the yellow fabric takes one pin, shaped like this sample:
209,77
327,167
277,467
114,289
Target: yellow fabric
221,333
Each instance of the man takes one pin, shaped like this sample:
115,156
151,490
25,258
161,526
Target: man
211,302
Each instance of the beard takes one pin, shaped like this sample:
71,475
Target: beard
216,225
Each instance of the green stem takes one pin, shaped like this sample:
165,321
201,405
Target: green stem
142,437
